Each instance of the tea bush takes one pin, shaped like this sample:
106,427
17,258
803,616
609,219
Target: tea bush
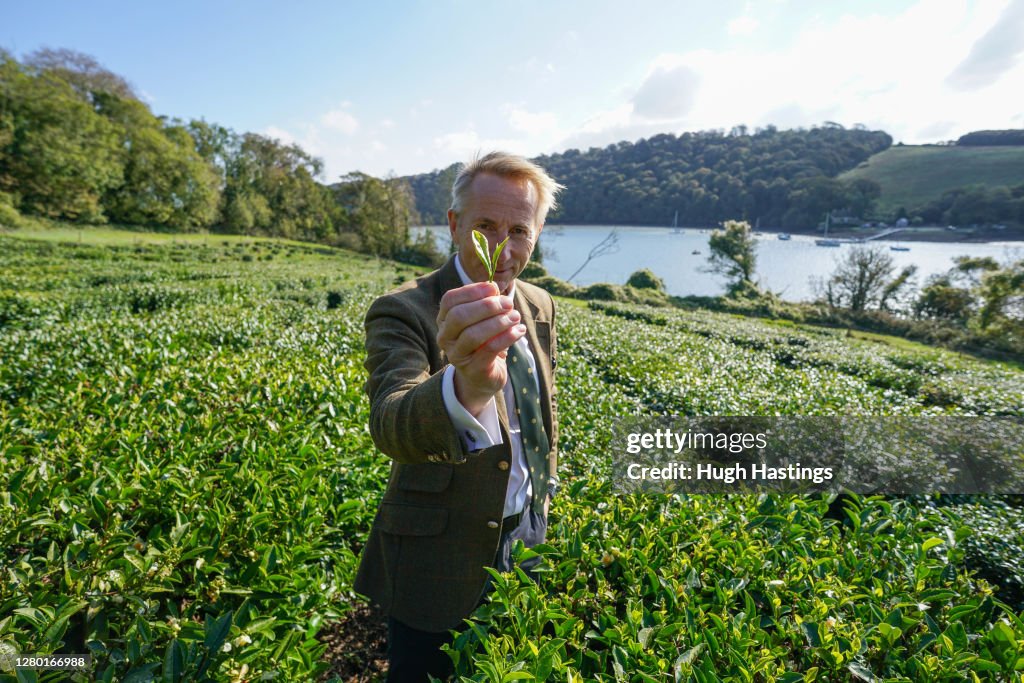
184,461
186,481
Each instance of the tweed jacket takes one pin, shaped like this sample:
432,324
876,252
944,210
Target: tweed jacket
438,524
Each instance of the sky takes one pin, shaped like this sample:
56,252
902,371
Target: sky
409,87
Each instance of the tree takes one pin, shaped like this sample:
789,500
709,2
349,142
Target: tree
57,155
1002,295
271,188
87,76
378,210
940,299
707,177
864,279
165,180
734,255
896,288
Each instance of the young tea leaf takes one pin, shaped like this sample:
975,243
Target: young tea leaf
494,258
483,251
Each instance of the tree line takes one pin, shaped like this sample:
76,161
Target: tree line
779,178
78,144
991,138
973,205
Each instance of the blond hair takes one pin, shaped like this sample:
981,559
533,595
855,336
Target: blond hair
507,165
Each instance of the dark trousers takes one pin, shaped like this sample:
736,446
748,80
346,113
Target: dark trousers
413,654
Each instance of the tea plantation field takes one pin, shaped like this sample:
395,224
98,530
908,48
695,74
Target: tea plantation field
186,480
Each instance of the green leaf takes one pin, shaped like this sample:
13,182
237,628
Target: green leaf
141,674
174,661
861,672
483,251
217,631
497,253
34,615
26,676
931,543
686,659
811,633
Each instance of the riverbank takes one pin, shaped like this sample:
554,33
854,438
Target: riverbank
928,233
931,233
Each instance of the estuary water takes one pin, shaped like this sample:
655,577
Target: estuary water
784,267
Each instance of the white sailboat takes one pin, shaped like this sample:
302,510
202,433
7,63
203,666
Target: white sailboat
675,223
825,241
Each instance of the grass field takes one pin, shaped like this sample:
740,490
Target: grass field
913,175
187,479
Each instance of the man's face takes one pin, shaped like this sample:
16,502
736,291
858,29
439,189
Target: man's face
498,207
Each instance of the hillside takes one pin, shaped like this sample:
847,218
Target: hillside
913,175
188,482
778,177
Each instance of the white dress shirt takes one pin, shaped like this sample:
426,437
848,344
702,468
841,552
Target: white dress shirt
483,431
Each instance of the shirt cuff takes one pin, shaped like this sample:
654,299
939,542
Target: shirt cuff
476,433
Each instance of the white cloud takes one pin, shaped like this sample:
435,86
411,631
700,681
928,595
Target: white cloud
886,71
279,134
534,66
743,25
889,74
341,119
464,144
994,53
420,107
668,92
532,123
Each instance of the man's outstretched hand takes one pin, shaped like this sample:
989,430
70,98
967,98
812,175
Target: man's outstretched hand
475,327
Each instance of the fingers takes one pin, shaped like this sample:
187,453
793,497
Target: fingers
465,315
465,294
498,345
493,335
480,369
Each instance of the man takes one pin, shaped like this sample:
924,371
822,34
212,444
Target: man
461,384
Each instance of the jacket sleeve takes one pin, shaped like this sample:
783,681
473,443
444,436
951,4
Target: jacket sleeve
408,418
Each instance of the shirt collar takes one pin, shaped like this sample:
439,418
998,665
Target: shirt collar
466,281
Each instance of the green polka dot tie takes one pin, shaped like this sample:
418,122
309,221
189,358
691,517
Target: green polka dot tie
531,424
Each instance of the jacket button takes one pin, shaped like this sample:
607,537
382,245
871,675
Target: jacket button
503,465
492,524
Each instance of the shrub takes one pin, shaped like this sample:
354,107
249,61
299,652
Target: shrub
645,279
602,291
422,251
554,286
533,270
9,215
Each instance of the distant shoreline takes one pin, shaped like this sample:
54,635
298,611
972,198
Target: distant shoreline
924,233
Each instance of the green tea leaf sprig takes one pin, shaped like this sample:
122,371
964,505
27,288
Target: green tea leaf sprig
482,250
